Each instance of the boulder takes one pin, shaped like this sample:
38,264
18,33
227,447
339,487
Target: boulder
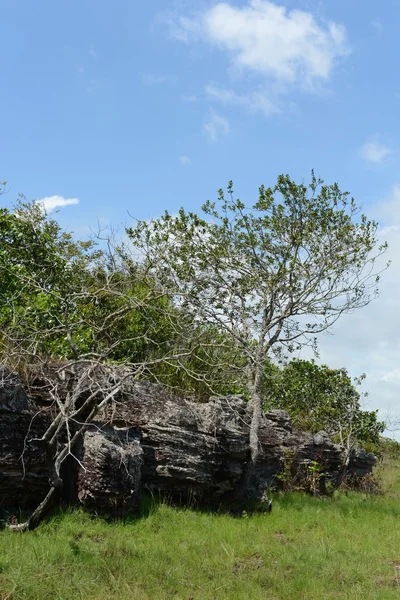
191,451
361,463
109,479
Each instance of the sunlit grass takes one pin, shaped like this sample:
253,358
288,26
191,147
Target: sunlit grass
347,546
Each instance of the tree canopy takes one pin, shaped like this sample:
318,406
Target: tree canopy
319,398
271,276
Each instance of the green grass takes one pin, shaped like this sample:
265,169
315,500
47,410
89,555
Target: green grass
308,548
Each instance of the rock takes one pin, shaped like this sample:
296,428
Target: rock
23,470
280,419
12,397
201,451
109,480
151,439
361,462
191,451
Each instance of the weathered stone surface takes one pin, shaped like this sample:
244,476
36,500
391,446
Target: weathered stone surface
361,463
12,397
23,471
202,451
150,439
190,450
110,478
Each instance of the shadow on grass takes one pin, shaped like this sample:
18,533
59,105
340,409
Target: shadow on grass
151,503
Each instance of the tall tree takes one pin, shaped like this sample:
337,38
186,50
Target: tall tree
271,276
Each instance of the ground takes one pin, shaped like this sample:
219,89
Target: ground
344,547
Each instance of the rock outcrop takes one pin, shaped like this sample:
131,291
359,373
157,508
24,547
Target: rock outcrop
149,438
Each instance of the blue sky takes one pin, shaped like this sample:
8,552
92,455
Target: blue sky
146,106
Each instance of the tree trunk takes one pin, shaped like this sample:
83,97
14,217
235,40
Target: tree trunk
249,475
256,403
55,457
38,514
343,470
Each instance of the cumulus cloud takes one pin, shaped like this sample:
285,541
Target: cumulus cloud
51,202
375,152
216,127
262,36
277,49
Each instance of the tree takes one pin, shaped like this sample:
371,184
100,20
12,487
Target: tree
319,398
270,277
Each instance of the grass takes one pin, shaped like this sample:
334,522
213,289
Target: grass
347,546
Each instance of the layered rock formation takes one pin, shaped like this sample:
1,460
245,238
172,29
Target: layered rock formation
150,439
109,478
23,470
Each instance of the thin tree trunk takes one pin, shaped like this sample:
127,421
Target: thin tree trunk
38,514
343,470
248,479
256,403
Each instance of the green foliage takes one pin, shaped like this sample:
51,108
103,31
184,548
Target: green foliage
212,368
298,251
269,277
222,292
285,475
319,398
390,449
39,266
62,298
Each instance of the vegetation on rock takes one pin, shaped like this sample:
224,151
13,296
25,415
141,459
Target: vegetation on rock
201,304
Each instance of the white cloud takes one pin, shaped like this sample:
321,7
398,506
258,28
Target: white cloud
184,160
277,49
51,202
389,210
375,152
282,45
216,127
256,101
182,28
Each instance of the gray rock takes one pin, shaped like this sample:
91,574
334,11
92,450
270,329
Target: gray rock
23,470
12,397
109,480
151,439
361,462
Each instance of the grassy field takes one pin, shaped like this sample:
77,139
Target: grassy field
347,546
